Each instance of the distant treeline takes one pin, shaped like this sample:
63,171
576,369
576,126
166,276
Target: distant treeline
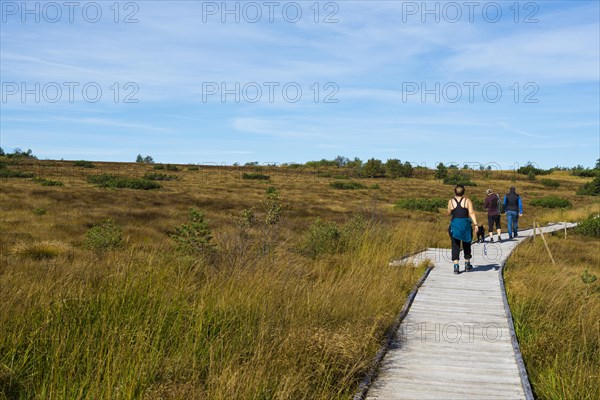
372,168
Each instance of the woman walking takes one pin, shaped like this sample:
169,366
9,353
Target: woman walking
491,204
461,210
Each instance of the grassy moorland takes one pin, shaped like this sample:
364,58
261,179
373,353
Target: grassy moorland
556,309
280,289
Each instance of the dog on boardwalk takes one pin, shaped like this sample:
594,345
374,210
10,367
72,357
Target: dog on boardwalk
480,234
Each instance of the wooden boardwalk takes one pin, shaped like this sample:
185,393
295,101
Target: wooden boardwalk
457,340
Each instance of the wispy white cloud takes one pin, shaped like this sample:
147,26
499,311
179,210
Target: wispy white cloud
565,55
114,123
521,132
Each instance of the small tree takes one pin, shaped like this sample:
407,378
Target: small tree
272,206
588,279
373,168
355,165
341,161
2,151
144,160
441,172
195,237
407,170
393,168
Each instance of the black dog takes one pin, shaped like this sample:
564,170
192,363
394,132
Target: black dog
480,234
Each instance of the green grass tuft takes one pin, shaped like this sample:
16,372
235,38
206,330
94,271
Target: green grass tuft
117,182
255,176
347,185
551,202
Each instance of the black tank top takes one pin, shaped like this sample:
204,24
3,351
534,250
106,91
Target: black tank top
459,211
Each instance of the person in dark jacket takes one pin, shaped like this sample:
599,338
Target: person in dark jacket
514,209
461,209
491,203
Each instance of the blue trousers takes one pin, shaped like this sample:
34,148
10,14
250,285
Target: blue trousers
512,218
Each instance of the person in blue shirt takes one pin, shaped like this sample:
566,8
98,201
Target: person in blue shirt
514,209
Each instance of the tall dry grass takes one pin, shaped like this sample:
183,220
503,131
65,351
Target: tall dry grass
262,320
557,315
132,324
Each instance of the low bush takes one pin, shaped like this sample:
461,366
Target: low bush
551,202
459,178
193,168
375,186
9,173
585,172
429,205
39,211
255,176
160,177
347,185
48,182
18,153
324,237
589,226
117,182
84,164
321,238
589,189
104,236
550,183
530,169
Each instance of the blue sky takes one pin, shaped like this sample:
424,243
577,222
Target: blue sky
383,63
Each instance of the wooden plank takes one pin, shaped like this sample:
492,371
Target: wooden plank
429,360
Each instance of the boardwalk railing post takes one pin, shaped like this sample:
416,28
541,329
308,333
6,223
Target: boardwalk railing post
546,244
565,229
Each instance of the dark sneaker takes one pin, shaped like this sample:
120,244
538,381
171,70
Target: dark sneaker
468,266
491,240
516,235
456,268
